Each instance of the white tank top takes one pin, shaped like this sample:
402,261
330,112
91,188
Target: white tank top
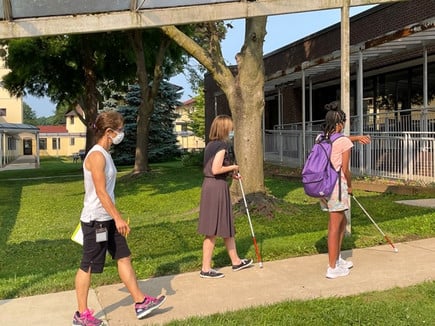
93,210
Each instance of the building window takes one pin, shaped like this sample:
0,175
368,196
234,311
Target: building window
56,143
71,120
2,112
12,144
72,141
43,143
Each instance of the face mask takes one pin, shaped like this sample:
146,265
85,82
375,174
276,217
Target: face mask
231,134
118,138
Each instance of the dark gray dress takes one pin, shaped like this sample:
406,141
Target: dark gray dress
215,211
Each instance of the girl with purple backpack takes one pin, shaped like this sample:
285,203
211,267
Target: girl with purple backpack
338,202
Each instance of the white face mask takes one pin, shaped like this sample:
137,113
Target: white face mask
118,138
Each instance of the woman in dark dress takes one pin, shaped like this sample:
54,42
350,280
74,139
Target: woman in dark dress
215,216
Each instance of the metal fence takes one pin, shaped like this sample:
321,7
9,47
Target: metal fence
402,146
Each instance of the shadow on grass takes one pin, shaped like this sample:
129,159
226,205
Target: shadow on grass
163,248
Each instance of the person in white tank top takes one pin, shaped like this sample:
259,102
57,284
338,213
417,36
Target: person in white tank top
104,229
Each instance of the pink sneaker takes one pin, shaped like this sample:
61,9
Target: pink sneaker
86,318
148,305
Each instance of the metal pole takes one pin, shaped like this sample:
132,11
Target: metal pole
345,81
359,105
304,142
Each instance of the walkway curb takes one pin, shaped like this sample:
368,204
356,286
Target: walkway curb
301,278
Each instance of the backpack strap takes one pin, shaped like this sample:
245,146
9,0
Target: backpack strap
332,139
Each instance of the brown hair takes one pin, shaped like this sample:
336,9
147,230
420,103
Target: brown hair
107,120
220,127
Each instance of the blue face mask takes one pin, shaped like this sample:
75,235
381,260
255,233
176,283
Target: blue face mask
231,134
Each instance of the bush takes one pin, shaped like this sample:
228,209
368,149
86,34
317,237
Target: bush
193,158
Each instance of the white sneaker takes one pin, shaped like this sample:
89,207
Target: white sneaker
344,263
337,272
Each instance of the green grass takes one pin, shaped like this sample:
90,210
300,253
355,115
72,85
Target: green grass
40,208
399,307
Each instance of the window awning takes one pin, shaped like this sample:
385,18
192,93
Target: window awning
16,128
410,38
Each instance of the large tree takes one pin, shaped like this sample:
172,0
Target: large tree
244,91
156,57
162,145
68,68
74,69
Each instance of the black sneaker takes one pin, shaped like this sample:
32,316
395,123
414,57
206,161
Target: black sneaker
244,263
211,274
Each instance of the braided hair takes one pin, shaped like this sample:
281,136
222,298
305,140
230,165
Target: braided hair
333,117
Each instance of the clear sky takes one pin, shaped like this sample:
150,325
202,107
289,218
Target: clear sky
281,30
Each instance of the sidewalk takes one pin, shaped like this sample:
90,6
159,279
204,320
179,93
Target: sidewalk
21,163
302,278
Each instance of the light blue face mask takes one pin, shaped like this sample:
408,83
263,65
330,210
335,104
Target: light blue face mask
231,134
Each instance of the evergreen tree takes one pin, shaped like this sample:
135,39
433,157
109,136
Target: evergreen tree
162,139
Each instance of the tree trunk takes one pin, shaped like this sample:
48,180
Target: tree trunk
247,106
148,94
244,92
91,91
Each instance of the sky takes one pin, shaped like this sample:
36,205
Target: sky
281,30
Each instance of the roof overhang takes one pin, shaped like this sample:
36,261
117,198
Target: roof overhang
24,18
412,37
17,128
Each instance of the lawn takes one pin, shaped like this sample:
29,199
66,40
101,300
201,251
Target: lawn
39,210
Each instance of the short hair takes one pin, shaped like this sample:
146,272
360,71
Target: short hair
107,120
220,127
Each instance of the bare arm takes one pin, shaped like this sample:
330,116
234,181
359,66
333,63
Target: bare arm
217,165
346,170
362,139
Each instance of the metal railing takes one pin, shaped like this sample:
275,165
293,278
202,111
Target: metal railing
401,149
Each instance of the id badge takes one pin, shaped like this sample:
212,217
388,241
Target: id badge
101,234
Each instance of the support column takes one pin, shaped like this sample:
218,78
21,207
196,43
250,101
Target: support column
304,142
424,127
345,81
359,106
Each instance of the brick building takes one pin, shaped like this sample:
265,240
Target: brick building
392,40
392,91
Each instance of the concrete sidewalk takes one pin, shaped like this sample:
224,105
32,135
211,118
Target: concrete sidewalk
302,278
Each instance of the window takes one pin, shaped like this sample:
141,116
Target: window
2,112
71,120
12,144
43,143
72,141
56,143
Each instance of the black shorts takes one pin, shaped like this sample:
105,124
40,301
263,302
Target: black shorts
94,253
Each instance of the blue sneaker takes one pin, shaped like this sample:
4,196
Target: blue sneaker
148,305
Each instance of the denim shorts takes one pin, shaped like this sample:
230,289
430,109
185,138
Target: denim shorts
333,203
94,253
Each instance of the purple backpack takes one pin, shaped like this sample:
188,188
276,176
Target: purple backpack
318,175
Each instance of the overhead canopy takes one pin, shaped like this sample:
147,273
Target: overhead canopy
415,36
16,128
30,18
